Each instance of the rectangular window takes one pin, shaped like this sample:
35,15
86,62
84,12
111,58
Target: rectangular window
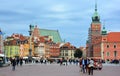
71,54
66,54
115,53
108,54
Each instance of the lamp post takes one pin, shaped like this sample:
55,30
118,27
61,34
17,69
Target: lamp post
30,48
4,50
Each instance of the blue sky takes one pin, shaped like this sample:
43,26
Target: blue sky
71,17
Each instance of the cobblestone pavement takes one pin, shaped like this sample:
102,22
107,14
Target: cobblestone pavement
56,70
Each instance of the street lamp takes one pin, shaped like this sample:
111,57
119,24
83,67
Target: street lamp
30,48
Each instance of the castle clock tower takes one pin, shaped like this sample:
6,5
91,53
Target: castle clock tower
94,33
95,26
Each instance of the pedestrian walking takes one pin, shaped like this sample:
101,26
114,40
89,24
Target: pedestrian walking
80,64
83,65
86,65
91,67
17,61
21,61
13,62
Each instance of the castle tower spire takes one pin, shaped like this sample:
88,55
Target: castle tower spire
96,17
95,5
104,32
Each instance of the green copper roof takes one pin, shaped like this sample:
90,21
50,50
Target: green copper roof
96,17
95,14
54,33
104,32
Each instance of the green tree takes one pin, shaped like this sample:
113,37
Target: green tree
78,53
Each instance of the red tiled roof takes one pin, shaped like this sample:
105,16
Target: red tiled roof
18,36
68,45
113,37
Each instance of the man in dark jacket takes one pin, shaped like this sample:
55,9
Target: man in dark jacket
13,64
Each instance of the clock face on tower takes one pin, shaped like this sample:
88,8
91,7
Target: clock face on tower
96,27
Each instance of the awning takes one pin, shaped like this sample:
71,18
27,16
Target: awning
2,55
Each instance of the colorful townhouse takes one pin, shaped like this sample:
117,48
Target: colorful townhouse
17,45
67,51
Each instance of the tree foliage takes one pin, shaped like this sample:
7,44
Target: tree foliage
78,53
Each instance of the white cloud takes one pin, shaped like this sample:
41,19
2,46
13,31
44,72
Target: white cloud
58,8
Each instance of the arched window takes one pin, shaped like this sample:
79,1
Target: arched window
114,46
107,46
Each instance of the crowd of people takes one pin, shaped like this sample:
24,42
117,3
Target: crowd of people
16,61
87,65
